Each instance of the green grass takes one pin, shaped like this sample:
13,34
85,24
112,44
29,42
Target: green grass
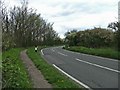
0,61
0,68
14,74
53,76
104,52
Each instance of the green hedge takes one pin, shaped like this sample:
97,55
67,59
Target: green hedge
104,52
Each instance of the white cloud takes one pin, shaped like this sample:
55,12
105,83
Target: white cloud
11,3
75,13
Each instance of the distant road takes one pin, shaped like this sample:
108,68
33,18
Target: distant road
91,71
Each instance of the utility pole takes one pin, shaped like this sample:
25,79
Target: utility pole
119,11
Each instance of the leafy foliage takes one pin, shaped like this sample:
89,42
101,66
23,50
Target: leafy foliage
13,72
116,26
23,27
96,37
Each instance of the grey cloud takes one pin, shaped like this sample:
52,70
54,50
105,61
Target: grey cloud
66,13
89,8
69,8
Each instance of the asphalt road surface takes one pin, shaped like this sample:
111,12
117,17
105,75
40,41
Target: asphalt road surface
88,70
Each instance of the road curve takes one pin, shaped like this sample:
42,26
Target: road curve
92,71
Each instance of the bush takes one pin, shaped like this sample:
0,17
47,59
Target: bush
95,38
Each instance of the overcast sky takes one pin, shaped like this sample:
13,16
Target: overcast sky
74,14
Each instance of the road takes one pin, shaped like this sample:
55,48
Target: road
91,71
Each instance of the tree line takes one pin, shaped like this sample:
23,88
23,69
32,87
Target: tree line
96,37
23,27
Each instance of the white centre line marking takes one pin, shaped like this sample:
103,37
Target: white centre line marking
98,65
62,54
42,51
71,77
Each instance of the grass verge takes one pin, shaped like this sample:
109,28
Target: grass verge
52,75
14,74
0,61
104,52
0,70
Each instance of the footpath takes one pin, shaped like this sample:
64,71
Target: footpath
36,76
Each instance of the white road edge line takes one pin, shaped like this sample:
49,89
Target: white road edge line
71,77
98,65
42,51
62,54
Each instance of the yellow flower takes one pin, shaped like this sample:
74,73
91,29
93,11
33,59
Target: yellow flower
62,81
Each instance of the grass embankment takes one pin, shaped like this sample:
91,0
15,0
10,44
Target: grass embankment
14,74
0,69
0,61
104,52
52,75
